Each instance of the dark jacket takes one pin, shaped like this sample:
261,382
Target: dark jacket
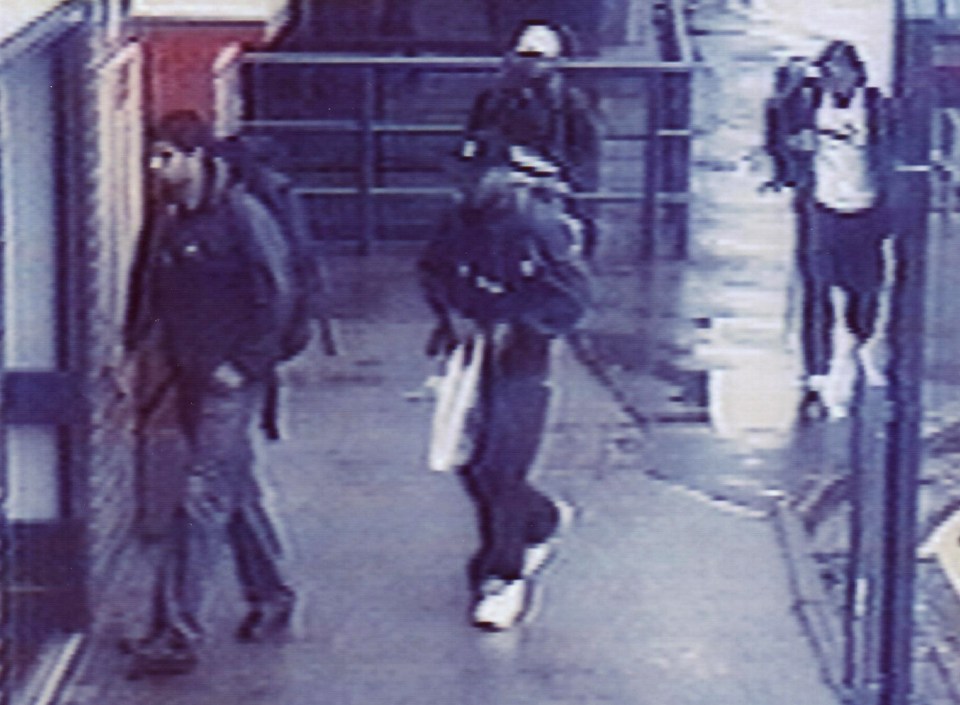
211,282
499,266
547,115
793,113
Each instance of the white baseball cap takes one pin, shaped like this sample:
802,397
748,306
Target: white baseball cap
540,39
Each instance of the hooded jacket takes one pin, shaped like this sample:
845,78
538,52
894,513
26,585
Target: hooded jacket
211,280
494,264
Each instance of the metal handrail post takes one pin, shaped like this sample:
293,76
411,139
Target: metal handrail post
913,91
656,198
674,135
367,159
882,653
650,225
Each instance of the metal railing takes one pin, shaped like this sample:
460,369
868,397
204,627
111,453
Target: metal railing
664,132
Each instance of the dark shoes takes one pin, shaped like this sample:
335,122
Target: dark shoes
169,653
173,652
267,618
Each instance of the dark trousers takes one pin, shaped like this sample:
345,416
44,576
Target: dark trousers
837,250
511,513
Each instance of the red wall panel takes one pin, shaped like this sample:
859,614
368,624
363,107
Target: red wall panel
180,60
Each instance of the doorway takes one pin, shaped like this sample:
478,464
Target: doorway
43,591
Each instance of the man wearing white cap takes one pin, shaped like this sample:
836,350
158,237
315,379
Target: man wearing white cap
532,107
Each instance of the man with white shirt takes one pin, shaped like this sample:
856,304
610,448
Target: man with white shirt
844,128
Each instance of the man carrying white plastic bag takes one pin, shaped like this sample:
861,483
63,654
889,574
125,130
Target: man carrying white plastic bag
457,393
504,277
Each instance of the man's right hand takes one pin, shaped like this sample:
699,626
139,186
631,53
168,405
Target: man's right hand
442,340
451,332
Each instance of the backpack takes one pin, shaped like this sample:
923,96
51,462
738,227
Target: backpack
273,189
300,273
783,112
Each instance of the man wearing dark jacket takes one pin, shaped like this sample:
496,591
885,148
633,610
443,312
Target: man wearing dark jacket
209,290
533,107
506,266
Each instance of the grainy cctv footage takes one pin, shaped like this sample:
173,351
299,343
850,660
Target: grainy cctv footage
415,352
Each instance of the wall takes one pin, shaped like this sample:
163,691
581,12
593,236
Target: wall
180,64
115,155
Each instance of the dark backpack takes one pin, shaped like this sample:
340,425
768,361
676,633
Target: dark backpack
784,113
273,189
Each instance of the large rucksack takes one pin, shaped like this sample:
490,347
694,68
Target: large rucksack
784,113
273,189
301,276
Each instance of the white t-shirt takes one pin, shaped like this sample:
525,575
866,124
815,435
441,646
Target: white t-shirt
841,165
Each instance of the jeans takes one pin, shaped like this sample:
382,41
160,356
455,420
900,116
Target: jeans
511,513
221,506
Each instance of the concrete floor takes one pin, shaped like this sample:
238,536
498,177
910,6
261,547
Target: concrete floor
657,597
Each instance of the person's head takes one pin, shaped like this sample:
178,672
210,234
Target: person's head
841,69
180,145
535,48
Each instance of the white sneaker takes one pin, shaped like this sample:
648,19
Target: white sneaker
872,374
537,555
502,603
566,513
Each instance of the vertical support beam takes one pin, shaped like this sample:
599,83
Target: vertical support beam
886,443
650,221
367,157
7,627
675,153
886,435
910,198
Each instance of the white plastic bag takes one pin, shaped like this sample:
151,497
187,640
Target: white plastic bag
457,393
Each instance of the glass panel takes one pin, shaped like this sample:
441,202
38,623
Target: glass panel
29,214
32,473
